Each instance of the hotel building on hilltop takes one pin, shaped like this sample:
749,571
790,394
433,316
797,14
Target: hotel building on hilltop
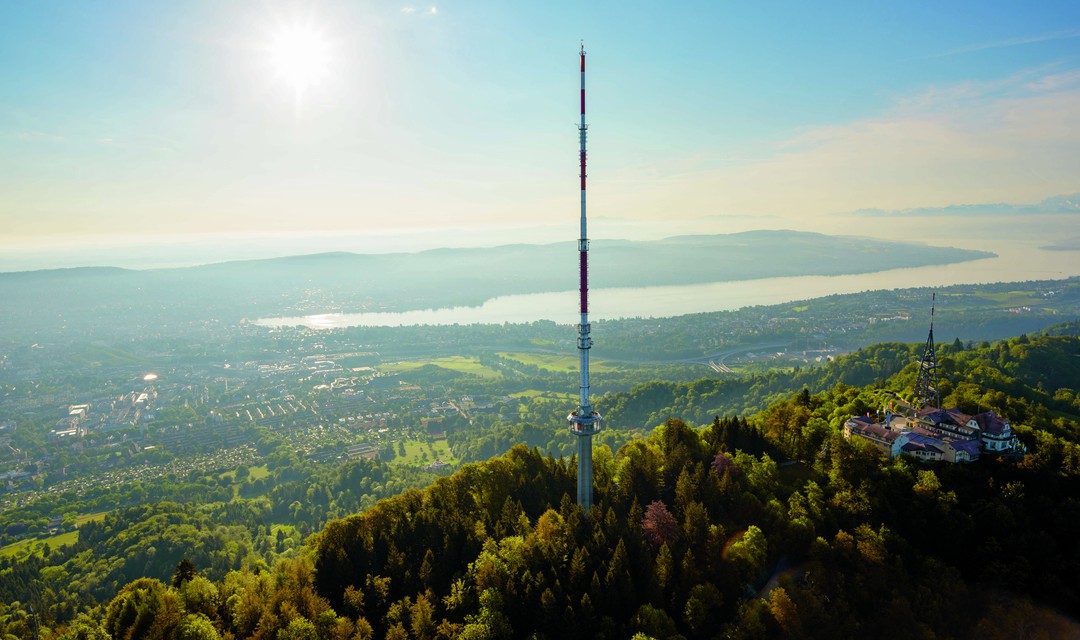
936,434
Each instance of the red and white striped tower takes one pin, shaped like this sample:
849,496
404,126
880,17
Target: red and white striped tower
584,422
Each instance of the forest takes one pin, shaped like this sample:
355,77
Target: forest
764,524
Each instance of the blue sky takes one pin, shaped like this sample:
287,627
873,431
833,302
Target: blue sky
135,119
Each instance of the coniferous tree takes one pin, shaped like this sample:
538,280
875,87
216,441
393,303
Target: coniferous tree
185,570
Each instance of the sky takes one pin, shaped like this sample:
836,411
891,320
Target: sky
291,124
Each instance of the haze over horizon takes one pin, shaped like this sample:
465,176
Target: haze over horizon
245,127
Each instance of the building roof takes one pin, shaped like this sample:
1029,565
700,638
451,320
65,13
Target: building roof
992,423
971,447
958,416
911,447
926,441
947,419
879,432
935,416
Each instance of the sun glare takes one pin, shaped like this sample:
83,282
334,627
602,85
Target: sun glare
300,57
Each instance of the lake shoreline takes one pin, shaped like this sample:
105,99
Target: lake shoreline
1015,263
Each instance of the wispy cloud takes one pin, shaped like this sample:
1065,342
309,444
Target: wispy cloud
1011,42
945,97
33,136
430,11
1055,82
998,141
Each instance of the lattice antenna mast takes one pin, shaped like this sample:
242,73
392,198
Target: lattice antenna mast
584,421
926,385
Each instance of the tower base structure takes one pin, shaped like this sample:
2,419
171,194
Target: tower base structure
584,426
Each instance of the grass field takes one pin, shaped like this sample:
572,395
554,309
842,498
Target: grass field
33,546
554,362
1004,298
415,450
460,364
254,473
89,517
536,393
1014,298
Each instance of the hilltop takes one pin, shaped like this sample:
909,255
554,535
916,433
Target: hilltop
751,526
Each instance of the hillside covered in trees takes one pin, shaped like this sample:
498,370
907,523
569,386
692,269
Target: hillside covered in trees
741,527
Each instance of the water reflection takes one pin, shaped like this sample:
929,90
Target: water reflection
1015,262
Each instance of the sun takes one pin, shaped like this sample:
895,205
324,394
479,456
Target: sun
299,56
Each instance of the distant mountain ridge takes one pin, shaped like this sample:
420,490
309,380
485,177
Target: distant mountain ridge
763,238
1055,205
319,283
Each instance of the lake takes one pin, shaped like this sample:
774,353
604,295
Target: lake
1016,261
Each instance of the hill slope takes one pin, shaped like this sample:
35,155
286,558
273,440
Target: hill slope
848,528
694,533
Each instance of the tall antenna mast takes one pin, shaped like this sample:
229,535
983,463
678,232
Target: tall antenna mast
584,422
926,385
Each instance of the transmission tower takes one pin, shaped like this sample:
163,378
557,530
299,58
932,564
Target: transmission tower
584,421
926,385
